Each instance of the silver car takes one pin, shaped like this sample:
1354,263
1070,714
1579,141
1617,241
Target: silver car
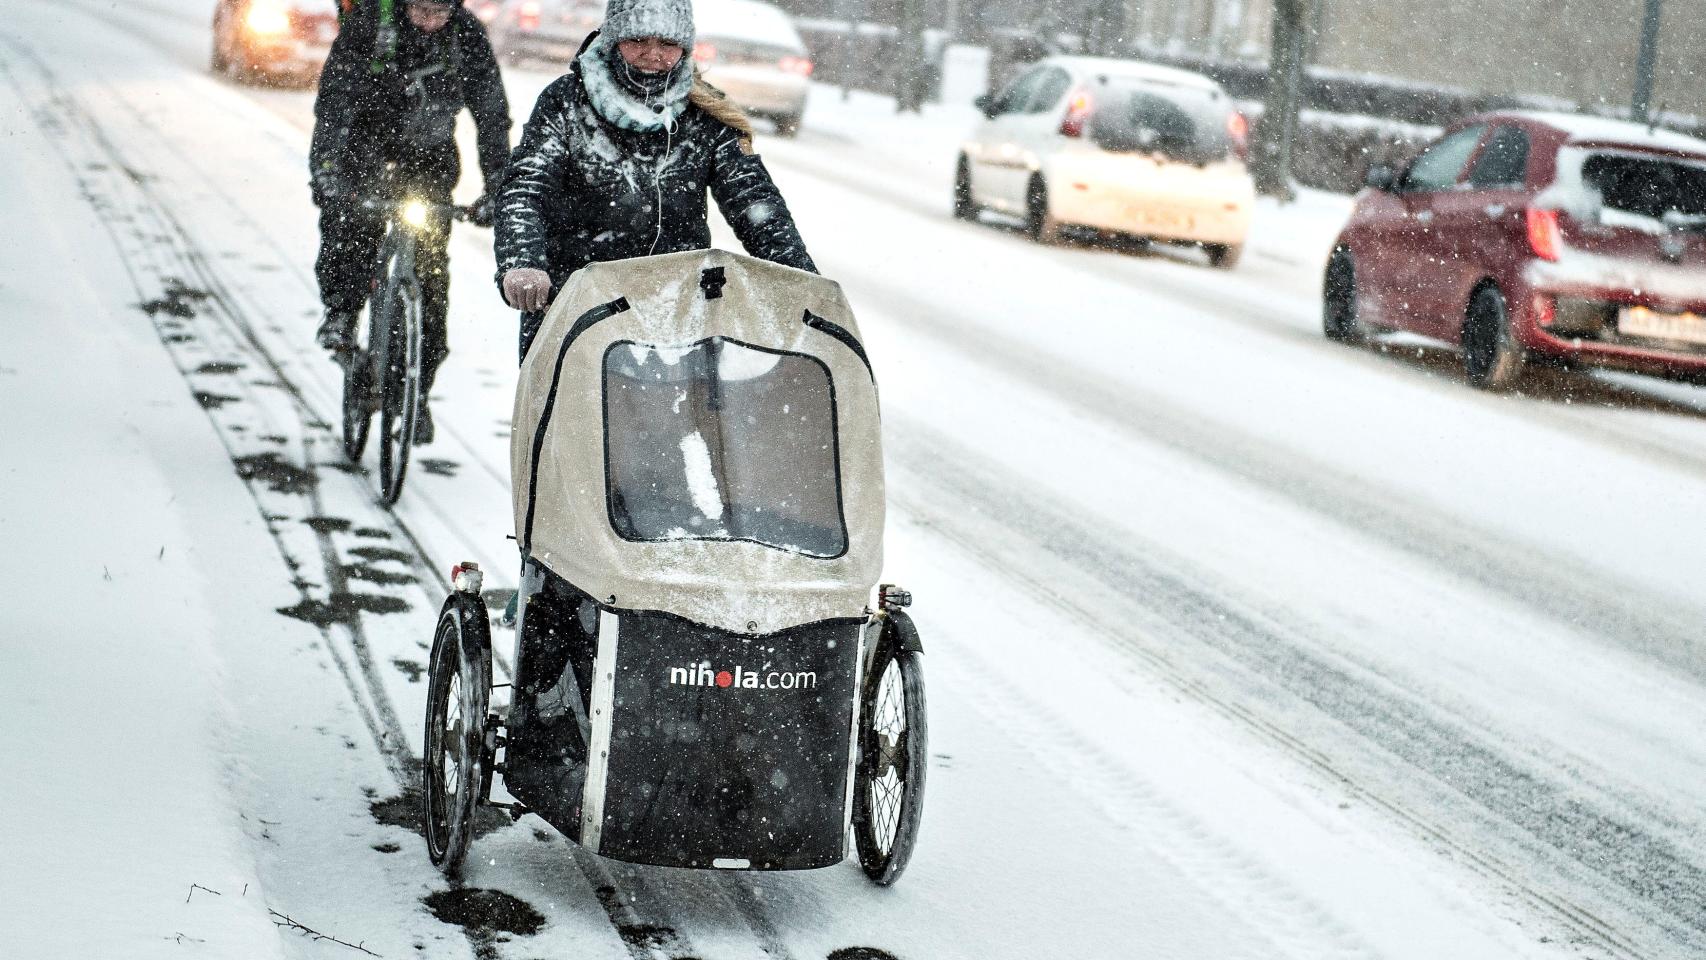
751,51
540,29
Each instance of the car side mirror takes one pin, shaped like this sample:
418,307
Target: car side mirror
1380,177
985,105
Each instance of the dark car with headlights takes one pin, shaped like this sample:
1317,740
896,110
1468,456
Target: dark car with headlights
276,41
1534,237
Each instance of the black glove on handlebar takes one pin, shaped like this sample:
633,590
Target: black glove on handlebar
328,187
481,213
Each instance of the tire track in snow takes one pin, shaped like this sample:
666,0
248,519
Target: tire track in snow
1150,602
157,243
1290,919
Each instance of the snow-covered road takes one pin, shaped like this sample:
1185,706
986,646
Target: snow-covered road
1240,644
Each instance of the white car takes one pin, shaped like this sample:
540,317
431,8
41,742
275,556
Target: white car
751,51
1116,146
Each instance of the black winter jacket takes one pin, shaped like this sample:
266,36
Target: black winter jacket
579,190
363,116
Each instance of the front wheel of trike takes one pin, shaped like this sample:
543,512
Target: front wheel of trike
454,761
888,788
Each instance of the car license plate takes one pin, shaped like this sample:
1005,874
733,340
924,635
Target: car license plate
1161,219
1654,325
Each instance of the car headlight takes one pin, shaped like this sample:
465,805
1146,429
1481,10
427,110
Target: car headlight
267,19
414,214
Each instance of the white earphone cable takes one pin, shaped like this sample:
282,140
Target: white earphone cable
669,145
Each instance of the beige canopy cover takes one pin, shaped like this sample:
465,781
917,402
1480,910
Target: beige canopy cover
662,307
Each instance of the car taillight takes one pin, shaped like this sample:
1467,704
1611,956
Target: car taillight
1077,112
704,53
1238,129
1544,237
528,15
487,12
799,65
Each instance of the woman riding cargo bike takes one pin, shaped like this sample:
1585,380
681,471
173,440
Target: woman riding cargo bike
706,673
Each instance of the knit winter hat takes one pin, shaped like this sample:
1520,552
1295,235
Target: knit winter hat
670,20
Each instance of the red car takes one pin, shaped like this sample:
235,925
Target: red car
1534,237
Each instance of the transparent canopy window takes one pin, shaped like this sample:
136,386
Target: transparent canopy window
722,441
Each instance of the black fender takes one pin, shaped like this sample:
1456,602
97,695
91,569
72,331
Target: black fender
898,629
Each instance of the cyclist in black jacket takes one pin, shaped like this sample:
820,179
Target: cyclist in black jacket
397,77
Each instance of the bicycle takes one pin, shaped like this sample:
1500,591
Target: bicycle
384,376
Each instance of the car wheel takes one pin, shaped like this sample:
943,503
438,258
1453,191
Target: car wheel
788,126
1492,360
1043,225
1224,256
965,208
1339,320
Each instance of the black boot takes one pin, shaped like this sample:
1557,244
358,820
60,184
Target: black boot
423,422
337,334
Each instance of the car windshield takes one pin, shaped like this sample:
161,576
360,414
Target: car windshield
721,441
1183,123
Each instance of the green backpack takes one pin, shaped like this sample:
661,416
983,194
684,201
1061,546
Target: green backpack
385,38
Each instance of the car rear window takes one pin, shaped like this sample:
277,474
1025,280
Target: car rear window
1647,186
1180,122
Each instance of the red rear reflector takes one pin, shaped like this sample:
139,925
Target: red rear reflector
1238,131
1077,112
704,52
1545,310
1544,237
799,65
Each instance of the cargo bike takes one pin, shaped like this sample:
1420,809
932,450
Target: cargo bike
706,671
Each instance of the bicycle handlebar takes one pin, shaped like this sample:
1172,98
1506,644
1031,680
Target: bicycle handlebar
393,208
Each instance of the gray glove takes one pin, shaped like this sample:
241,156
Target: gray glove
527,289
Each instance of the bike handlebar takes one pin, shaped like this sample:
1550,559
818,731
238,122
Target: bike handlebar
392,208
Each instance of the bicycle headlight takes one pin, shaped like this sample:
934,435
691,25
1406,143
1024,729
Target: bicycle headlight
267,19
415,214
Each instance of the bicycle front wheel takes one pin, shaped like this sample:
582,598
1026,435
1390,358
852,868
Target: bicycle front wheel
400,399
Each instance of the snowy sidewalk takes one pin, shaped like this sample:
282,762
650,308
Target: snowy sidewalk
122,519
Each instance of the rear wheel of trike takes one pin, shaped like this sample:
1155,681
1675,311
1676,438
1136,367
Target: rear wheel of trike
400,400
454,762
888,789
